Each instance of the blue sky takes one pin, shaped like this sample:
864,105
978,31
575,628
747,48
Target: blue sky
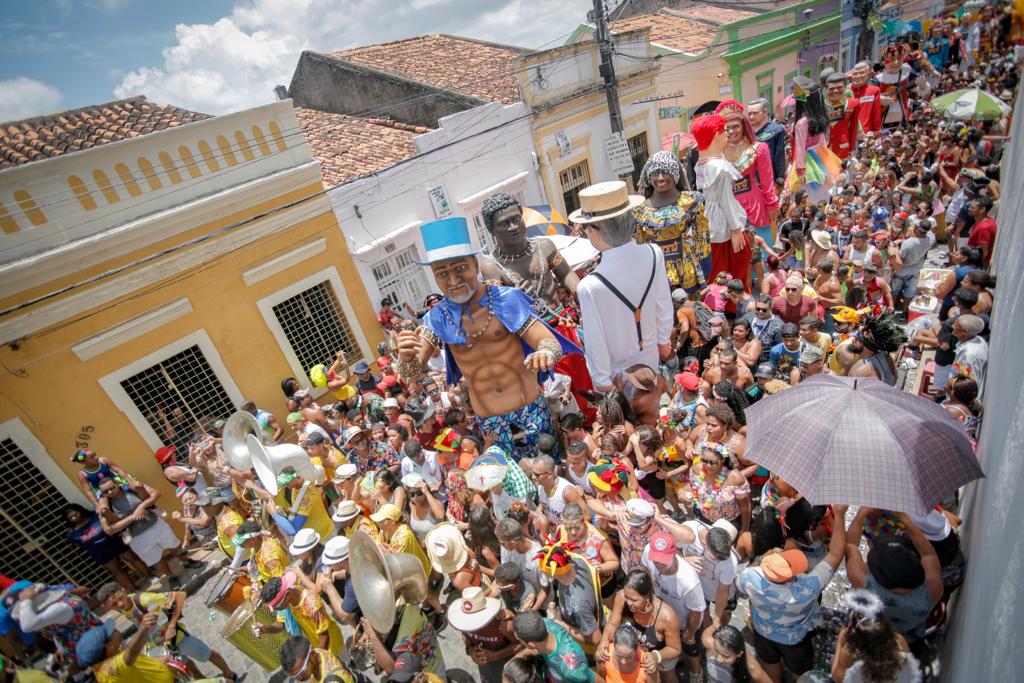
217,56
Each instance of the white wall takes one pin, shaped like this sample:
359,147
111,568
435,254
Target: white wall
987,617
380,214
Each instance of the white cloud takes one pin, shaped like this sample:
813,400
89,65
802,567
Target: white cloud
23,97
235,62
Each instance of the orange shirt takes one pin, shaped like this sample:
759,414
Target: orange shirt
613,675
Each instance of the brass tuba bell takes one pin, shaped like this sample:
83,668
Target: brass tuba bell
381,579
268,461
239,426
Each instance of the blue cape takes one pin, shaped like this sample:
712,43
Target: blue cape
511,307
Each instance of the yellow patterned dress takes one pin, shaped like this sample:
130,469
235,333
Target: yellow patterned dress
681,230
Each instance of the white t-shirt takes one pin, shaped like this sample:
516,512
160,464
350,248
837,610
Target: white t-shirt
527,563
681,590
712,571
430,470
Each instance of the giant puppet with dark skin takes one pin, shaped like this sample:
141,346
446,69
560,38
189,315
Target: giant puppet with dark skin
534,265
490,334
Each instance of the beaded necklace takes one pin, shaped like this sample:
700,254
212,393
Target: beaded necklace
484,303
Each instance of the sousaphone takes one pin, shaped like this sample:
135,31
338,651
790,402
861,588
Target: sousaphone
268,461
238,427
380,579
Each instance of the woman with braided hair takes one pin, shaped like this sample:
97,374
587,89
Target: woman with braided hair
879,338
674,219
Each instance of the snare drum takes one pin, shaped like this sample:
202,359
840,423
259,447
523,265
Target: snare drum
227,591
174,661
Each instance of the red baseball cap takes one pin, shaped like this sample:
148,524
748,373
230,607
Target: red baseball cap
164,453
688,380
662,547
384,362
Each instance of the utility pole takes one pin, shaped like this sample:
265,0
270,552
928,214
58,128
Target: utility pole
607,68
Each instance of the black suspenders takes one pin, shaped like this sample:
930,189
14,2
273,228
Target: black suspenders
637,310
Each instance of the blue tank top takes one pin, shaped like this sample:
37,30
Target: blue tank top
908,612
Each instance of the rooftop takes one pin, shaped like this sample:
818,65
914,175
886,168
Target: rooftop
712,14
473,67
349,147
73,130
671,30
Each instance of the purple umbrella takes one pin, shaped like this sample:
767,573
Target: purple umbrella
858,441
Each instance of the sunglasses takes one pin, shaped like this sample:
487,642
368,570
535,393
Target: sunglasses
792,289
415,493
761,310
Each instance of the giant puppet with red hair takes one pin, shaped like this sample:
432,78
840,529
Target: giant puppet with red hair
755,190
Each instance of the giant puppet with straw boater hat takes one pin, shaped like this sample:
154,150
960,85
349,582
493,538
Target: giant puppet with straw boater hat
490,335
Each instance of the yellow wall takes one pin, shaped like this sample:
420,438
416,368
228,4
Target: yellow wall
54,393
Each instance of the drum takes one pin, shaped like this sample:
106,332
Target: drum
227,591
264,649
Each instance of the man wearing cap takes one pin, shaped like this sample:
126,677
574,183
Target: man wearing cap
636,524
177,473
784,605
322,452
269,558
812,362
334,582
487,632
296,594
534,265
869,111
99,649
303,427
843,116
488,333
366,382
677,583
577,590
786,354
350,519
625,302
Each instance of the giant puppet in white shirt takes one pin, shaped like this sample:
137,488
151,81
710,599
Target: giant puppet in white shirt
896,82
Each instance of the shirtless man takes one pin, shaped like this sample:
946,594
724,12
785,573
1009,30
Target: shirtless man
728,368
534,265
482,329
879,339
829,289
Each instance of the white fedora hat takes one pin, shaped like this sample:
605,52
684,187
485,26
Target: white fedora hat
346,510
822,239
306,539
473,611
446,548
606,200
335,551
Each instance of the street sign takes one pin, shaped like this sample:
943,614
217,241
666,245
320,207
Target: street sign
618,154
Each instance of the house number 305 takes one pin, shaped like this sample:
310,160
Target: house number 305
84,434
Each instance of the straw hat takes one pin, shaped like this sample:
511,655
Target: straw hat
346,510
606,200
446,548
822,239
473,611
335,551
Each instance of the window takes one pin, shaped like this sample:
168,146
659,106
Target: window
766,89
572,180
179,397
638,151
33,543
316,327
399,278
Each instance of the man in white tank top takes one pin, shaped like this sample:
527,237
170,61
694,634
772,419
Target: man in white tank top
553,492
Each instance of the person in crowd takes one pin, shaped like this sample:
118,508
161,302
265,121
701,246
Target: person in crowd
565,658
100,652
108,551
486,628
868,647
95,469
577,591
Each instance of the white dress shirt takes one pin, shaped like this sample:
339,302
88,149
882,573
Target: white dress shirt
609,328
724,213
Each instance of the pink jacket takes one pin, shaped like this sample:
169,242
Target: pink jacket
755,191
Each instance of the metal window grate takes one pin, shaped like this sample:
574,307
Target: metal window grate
316,327
572,180
180,397
33,544
638,151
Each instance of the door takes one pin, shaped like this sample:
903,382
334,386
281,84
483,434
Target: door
33,545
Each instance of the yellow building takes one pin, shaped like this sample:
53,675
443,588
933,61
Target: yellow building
147,286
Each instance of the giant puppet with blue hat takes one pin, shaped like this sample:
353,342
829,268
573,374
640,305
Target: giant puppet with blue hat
490,334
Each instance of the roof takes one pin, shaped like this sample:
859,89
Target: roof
349,147
670,30
473,67
73,130
712,13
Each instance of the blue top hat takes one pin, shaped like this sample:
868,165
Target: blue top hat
446,239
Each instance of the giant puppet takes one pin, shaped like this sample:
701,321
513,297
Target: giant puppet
843,117
489,334
815,166
535,266
896,81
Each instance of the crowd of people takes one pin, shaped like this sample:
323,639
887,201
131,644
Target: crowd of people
580,499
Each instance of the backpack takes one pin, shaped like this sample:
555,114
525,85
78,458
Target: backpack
704,315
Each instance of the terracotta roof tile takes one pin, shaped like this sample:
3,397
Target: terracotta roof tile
483,70
73,130
349,147
670,30
716,15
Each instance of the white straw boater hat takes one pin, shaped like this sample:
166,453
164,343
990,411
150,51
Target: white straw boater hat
446,548
446,239
606,200
473,611
306,539
822,239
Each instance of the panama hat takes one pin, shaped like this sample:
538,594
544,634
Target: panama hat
606,200
306,539
346,510
822,239
473,611
335,551
446,239
446,548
